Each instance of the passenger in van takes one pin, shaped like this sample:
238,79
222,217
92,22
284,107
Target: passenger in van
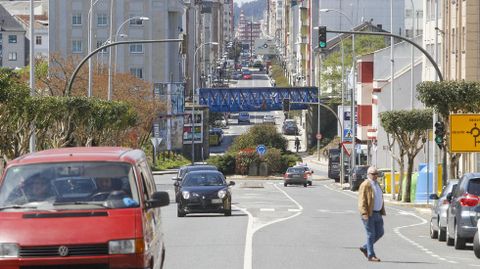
37,188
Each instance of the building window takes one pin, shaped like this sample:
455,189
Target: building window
12,39
136,48
77,19
137,72
136,21
38,40
102,19
12,56
101,43
77,46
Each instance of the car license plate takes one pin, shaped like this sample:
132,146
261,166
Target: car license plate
216,201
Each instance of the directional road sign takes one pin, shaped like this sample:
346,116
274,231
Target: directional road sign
465,133
261,149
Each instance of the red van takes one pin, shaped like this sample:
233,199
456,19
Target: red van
94,207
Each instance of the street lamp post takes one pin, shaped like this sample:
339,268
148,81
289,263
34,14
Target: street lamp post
193,97
115,38
352,108
89,45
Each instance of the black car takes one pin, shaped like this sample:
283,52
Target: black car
359,174
204,192
290,127
189,168
463,212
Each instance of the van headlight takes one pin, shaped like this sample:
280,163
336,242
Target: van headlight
8,250
186,195
221,194
121,246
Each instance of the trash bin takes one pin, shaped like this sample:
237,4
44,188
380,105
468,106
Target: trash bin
388,182
424,186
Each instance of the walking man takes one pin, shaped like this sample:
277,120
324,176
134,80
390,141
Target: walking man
370,205
297,143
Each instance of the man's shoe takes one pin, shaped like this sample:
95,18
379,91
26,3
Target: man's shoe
373,259
364,251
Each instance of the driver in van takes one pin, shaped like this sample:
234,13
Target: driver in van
104,184
37,188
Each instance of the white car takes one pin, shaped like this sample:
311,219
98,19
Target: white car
269,119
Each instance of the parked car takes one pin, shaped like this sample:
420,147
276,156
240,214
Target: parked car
359,174
476,242
81,207
269,119
204,192
438,220
295,176
463,212
308,172
186,169
290,127
244,117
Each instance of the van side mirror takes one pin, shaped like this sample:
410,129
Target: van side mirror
159,199
176,184
434,196
231,183
449,197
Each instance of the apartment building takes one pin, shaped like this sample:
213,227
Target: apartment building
12,41
132,20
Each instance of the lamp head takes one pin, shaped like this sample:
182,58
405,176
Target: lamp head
325,10
144,18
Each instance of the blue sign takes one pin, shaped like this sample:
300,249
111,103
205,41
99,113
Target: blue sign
261,149
347,134
257,99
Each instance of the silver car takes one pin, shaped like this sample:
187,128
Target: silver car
438,221
464,210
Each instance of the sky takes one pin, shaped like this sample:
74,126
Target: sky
240,2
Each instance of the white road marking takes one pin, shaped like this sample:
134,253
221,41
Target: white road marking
247,260
267,209
397,229
294,210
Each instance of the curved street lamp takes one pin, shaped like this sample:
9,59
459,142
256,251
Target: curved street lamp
110,59
193,96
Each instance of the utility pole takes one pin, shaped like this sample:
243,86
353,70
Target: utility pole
32,145
392,107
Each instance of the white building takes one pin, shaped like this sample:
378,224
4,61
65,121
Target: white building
156,63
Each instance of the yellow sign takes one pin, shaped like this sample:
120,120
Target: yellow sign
465,133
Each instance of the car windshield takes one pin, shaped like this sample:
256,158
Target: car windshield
89,184
203,179
295,170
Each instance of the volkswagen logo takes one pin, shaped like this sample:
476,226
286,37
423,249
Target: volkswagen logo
63,251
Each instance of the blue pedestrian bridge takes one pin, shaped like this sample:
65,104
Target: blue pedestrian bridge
256,99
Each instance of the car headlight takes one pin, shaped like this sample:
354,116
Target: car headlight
8,250
129,246
186,195
221,194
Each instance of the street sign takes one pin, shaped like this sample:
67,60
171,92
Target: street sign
347,135
261,149
318,136
347,147
156,142
465,133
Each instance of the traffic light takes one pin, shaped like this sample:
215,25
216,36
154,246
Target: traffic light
286,105
322,37
439,133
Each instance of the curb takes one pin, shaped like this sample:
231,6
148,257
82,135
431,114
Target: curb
165,172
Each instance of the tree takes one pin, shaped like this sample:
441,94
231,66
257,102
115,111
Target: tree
127,88
331,77
260,134
409,128
448,97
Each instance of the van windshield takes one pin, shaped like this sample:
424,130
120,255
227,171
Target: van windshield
83,185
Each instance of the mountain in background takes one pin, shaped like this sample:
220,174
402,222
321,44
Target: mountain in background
253,9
